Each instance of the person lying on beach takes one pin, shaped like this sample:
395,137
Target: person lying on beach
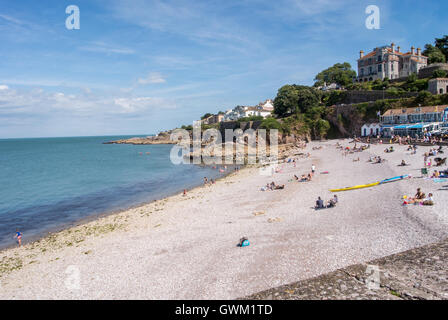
418,196
403,163
274,186
425,201
436,174
378,160
356,160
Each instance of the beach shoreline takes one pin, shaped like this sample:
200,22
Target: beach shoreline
184,247
96,216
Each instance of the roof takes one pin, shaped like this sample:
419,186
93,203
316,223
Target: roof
371,124
389,50
429,109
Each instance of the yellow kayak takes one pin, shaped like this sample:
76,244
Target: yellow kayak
356,187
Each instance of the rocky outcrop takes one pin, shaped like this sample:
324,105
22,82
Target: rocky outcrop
161,138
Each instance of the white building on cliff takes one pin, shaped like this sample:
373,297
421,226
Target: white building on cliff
389,62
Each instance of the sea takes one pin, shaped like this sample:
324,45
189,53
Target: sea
48,184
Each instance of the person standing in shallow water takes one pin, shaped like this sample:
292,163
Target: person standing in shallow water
19,237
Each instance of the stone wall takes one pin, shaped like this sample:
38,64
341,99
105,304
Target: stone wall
357,96
429,70
235,125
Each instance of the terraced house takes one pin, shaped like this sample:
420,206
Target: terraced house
389,62
414,121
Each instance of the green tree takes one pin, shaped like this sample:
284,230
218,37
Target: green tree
412,78
340,73
271,123
439,74
442,45
434,54
295,99
205,116
322,126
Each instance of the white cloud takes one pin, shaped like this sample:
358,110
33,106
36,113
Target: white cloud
102,47
132,105
11,19
4,87
40,102
153,77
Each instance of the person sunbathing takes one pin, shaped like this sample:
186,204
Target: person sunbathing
429,201
419,195
403,163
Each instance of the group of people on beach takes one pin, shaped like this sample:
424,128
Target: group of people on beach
209,182
272,186
419,198
376,159
329,204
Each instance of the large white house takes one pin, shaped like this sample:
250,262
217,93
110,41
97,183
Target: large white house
263,109
389,62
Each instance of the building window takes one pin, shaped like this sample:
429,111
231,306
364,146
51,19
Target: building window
380,68
441,90
370,70
362,72
379,58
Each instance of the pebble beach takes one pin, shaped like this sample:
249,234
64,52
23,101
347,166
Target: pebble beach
185,247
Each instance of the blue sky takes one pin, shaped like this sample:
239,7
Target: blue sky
138,67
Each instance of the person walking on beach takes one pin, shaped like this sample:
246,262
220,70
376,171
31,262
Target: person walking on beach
19,237
313,169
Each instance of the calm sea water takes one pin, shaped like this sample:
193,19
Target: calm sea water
50,183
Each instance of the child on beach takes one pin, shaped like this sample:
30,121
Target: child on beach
19,237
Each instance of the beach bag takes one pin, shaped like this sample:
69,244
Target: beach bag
244,242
